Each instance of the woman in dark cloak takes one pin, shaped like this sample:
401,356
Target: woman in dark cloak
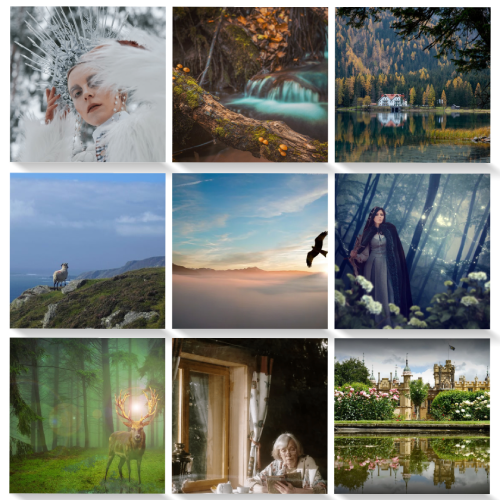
379,256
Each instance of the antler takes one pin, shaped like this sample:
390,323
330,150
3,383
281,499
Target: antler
120,407
152,404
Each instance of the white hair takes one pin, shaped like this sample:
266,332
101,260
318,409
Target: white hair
282,442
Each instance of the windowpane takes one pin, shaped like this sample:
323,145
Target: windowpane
206,425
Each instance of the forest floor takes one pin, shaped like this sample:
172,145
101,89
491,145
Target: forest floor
77,470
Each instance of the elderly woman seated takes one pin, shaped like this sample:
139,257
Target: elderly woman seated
289,457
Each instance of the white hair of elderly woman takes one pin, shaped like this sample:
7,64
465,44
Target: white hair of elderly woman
282,442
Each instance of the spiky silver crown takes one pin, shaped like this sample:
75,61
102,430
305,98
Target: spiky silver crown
62,42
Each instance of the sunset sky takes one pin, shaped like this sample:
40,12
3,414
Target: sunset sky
234,221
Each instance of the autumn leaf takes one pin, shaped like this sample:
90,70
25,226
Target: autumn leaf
210,20
281,54
260,20
242,20
274,46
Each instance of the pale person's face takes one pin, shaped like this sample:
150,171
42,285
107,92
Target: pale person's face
93,104
289,454
379,218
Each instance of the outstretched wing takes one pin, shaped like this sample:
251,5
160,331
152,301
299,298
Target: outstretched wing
310,257
318,242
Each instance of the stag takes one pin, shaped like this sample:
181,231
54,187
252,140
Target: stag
130,445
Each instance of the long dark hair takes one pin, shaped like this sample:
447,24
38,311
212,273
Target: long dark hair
374,212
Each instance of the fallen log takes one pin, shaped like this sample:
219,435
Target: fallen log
241,132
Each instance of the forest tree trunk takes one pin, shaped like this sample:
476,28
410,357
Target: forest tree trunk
391,192
410,208
429,203
214,41
84,395
479,249
466,230
117,386
240,132
40,444
107,405
33,409
56,397
429,229
477,232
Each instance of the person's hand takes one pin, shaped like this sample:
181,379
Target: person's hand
285,488
51,104
354,254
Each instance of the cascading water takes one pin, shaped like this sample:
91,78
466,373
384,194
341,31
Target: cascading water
297,96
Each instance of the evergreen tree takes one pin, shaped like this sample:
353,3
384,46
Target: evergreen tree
413,94
443,98
431,97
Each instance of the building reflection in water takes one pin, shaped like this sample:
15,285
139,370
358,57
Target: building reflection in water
392,119
414,456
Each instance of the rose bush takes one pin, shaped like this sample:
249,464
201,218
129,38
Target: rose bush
350,404
461,405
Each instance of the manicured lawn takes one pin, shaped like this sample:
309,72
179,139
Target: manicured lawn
82,471
410,422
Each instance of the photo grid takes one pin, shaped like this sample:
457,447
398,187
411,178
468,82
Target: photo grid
224,273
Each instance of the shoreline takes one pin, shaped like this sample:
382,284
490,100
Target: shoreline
383,109
410,426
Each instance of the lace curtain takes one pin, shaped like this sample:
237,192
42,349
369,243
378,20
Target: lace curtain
259,398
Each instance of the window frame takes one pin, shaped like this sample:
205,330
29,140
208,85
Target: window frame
185,367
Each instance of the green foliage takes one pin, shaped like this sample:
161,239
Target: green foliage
461,405
351,371
461,449
463,308
76,470
357,386
21,352
418,392
19,449
246,54
142,290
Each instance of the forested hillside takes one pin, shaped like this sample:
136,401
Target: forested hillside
374,60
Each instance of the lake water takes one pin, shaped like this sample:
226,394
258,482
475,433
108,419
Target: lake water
400,137
439,464
21,282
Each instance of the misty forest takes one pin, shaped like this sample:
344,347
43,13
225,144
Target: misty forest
443,221
250,84
62,402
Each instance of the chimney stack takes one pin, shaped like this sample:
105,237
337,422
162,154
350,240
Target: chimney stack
379,377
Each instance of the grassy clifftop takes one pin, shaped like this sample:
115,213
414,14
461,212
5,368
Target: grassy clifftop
135,299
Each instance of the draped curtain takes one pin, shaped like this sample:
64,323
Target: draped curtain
176,356
259,399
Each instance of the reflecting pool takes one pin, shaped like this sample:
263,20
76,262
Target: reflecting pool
412,464
403,137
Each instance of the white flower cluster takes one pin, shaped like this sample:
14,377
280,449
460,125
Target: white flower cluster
469,301
417,323
487,286
372,305
480,276
339,298
394,308
364,283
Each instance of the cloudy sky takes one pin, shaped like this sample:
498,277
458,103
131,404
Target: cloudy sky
471,356
91,221
235,221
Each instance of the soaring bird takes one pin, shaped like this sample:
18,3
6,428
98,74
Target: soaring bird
316,249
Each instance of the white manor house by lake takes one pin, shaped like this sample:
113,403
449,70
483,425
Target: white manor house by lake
393,100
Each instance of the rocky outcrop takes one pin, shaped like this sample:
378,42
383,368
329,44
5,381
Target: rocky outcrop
29,294
49,315
129,318
73,285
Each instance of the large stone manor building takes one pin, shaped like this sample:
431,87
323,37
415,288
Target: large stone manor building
444,380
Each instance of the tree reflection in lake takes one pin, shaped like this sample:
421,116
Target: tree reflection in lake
412,464
401,137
